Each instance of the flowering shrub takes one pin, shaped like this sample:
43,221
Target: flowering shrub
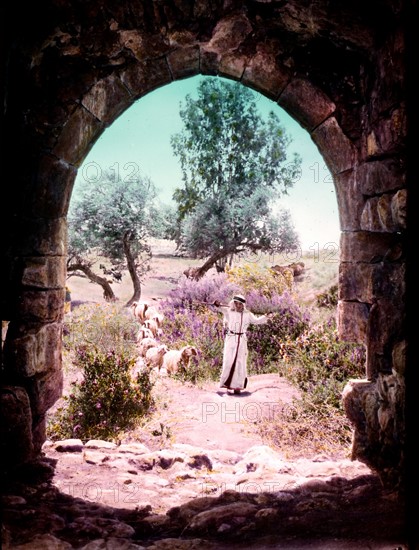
320,364
99,343
189,321
251,277
289,321
191,293
199,327
106,401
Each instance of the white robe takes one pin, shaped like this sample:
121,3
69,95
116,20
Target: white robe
235,341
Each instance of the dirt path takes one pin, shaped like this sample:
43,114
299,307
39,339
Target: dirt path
210,417
197,476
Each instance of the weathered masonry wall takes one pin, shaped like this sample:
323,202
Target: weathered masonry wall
336,68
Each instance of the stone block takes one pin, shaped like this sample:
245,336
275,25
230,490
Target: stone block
385,213
232,65
33,351
378,214
184,62
39,432
40,306
44,272
50,192
306,103
370,220
385,137
338,151
145,76
399,209
264,75
141,43
399,357
381,176
360,402
356,282
42,237
44,390
229,33
352,321
209,62
15,426
368,283
386,319
368,247
350,200
107,99
78,136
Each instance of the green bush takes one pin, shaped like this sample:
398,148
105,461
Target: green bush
320,364
329,298
265,340
105,327
106,401
99,345
252,277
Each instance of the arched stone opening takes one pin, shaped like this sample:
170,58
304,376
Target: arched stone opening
331,75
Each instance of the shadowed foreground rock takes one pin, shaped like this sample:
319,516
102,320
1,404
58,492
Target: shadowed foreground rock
103,496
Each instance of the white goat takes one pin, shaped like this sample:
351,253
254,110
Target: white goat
154,356
174,358
146,344
138,310
153,314
153,326
144,332
138,367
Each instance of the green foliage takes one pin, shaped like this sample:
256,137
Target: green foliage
108,210
99,341
234,166
320,364
199,327
115,219
106,401
251,277
103,327
329,298
265,341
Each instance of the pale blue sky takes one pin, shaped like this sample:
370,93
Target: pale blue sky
140,140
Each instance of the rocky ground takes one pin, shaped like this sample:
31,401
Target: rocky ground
204,480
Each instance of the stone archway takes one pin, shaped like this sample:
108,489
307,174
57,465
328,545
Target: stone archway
337,72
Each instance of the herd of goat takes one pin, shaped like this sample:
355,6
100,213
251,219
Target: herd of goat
152,354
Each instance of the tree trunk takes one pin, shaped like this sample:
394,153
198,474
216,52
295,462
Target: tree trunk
199,272
136,281
108,293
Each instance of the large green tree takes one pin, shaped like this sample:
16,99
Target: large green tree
234,168
113,219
